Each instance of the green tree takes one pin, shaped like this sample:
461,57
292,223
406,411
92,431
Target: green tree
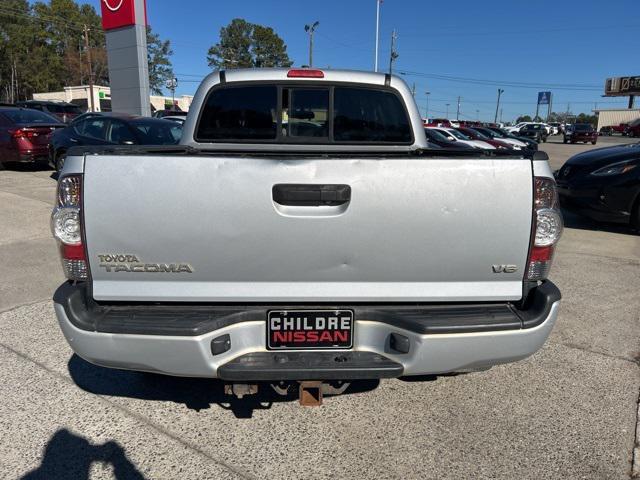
246,45
160,68
27,56
268,49
523,118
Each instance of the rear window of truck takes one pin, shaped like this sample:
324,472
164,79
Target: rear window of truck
303,114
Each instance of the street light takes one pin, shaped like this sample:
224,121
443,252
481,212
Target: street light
310,29
172,84
500,92
426,111
477,115
447,104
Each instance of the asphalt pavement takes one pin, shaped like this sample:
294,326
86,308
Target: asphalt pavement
570,411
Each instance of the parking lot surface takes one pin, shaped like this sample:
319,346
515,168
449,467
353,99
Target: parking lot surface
570,411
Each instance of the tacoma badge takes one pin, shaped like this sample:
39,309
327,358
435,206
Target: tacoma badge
130,263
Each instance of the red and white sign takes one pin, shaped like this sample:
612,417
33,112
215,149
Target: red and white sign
119,13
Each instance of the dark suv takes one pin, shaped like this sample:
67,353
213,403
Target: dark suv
535,131
580,132
65,112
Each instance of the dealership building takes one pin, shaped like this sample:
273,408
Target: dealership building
616,116
80,96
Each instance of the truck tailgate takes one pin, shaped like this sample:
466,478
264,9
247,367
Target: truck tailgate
207,228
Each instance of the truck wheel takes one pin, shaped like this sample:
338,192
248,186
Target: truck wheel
564,140
593,143
60,161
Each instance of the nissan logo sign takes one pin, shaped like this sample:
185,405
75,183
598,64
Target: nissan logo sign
116,7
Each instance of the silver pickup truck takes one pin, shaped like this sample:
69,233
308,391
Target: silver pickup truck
305,234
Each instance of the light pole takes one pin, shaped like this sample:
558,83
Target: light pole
310,29
447,104
394,55
500,92
477,115
426,110
375,63
172,84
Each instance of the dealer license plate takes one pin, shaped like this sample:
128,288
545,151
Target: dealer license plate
304,329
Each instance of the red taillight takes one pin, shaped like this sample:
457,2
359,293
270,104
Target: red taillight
305,73
67,227
23,133
72,252
30,132
547,228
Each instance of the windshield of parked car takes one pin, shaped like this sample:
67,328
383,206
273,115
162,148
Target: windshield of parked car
478,134
582,127
498,133
435,135
73,109
29,116
157,133
459,135
533,127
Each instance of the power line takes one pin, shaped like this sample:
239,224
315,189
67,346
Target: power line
506,83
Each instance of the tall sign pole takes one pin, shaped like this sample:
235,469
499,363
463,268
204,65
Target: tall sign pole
375,63
125,26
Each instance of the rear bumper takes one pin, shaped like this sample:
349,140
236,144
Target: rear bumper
439,339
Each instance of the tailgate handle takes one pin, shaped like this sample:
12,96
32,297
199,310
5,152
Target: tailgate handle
310,194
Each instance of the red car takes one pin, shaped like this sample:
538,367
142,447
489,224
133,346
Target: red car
475,135
25,134
633,130
65,112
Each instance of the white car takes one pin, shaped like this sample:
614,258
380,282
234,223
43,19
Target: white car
456,136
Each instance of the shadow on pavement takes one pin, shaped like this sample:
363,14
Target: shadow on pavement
27,166
195,393
69,457
573,220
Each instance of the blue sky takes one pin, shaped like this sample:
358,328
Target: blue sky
574,44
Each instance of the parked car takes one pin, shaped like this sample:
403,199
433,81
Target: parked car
606,131
556,128
603,184
580,132
25,134
306,254
175,118
496,134
441,122
516,129
621,128
169,113
633,130
536,131
65,112
529,143
477,136
436,138
454,135
111,129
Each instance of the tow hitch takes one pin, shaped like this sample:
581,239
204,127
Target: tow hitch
310,392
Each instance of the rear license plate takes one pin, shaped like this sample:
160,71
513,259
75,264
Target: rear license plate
303,329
